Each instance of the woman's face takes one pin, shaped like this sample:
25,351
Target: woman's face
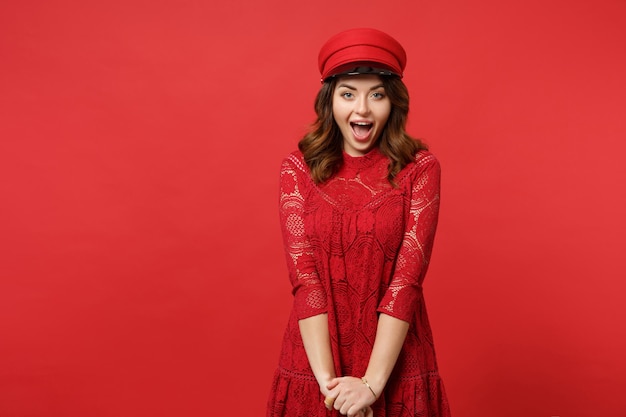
361,109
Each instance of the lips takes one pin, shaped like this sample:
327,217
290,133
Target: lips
361,130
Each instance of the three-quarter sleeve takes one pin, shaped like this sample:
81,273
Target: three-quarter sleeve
309,293
401,297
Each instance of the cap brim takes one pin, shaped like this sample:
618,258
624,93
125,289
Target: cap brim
358,68
363,70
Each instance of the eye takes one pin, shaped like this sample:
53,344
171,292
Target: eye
347,94
378,95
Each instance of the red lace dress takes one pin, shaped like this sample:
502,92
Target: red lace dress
357,247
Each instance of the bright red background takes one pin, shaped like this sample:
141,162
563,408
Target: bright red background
141,264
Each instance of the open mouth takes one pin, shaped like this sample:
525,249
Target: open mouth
361,130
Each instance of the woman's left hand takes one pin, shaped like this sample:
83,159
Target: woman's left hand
352,397
367,412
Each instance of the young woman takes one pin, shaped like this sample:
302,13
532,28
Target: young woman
358,207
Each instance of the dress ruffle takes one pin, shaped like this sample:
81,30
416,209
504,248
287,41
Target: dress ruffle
303,399
417,396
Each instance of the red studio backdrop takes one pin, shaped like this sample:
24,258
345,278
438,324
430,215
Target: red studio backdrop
141,265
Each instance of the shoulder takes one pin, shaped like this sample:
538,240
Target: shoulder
426,159
293,166
295,160
424,163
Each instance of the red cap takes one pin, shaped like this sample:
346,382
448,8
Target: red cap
362,50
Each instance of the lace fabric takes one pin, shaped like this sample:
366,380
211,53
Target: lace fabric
356,247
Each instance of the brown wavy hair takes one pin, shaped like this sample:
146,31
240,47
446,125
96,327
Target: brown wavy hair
322,147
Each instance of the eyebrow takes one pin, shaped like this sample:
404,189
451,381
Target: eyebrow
348,86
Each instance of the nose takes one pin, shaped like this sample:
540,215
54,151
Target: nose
362,106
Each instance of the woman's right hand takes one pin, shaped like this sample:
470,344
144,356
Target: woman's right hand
328,400
366,412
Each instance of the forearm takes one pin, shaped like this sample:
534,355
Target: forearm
316,339
390,336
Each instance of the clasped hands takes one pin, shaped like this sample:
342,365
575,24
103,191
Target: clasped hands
350,396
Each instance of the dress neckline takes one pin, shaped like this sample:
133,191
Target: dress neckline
364,161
